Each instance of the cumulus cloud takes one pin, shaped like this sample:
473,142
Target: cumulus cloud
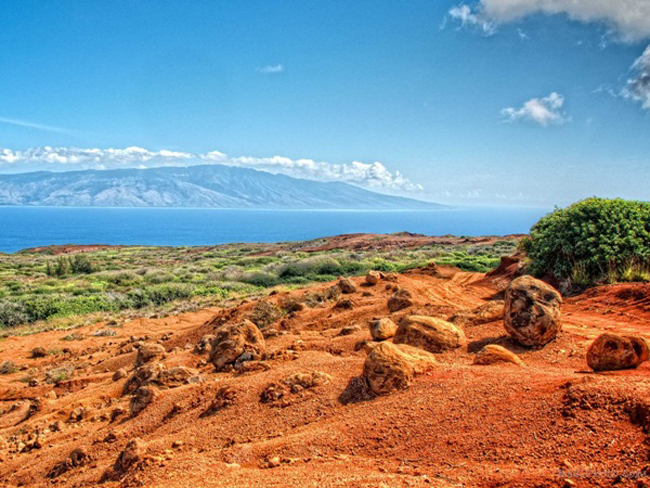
468,18
638,87
370,175
543,111
271,69
630,19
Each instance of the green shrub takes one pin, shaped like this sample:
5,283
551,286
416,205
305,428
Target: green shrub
591,241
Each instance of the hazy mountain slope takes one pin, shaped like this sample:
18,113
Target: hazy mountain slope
195,186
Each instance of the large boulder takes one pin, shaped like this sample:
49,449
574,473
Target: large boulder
401,299
235,343
429,333
493,353
532,311
382,329
391,367
149,351
613,351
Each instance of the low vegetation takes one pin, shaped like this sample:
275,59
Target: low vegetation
114,283
593,241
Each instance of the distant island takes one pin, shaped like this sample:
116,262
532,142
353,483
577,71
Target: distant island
207,186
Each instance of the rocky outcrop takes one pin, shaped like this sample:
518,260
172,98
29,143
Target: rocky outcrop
390,367
429,333
613,351
382,329
400,300
234,344
532,311
493,353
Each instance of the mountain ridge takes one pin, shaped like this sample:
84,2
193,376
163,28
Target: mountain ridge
202,186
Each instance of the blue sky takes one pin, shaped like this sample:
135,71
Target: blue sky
522,102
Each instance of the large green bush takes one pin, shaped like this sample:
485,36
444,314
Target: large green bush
594,240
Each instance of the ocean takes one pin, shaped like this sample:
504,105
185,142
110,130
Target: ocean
22,227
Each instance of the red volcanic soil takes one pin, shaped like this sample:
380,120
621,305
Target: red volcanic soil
552,423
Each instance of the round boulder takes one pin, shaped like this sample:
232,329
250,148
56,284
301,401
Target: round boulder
390,367
235,343
613,351
532,311
493,353
382,329
429,333
373,277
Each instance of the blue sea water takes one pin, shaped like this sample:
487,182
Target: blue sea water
22,227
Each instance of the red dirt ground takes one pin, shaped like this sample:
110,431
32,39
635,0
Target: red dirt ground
551,423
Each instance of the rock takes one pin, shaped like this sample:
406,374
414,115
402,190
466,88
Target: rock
78,414
344,304
391,367
394,277
493,353
488,312
613,351
177,444
133,453
38,352
532,311
144,375
234,343
401,299
429,333
382,329
347,286
142,399
8,367
158,374
203,345
298,381
119,374
366,346
78,457
349,330
373,277
149,351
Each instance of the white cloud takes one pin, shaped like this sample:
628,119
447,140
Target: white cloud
468,18
630,19
543,111
32,125
271,69
638,87
374,175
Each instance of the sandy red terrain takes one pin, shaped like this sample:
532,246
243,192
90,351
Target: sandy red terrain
550,423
